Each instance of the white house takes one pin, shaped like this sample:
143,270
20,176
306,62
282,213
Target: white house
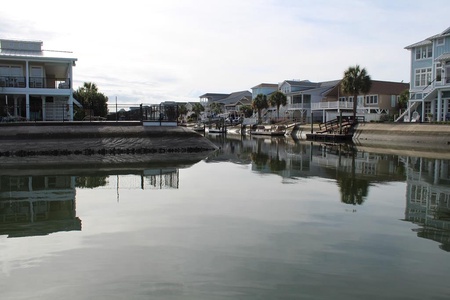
430,79
35,84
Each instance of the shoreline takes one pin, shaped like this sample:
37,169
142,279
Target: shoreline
99,143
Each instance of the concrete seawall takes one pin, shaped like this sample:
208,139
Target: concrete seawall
99,142
417,135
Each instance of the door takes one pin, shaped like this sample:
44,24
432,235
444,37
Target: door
36,77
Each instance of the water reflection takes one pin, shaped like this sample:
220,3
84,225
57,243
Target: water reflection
41,201
37,205
427,179
428,198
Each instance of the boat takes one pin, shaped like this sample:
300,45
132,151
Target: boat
217,130
274,130
199,127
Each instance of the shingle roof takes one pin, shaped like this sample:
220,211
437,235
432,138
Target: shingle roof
235,97
266,85
429,40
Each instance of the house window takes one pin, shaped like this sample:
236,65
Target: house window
423,77
438,72
424,52
394,100
342,99
440,41
372,99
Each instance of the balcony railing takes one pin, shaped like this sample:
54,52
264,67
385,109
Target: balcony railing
34,82
332,105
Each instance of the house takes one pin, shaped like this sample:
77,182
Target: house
381,100
430,79
301,97
230,103
35,84
266,89
324,101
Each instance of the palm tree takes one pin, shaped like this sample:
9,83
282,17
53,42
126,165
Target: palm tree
182,110
260,103
197,108
355,82
90,98
277,99
216,108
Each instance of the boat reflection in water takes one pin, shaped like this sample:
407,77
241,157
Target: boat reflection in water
355,171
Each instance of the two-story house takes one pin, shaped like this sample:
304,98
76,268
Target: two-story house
430,78
230,103
35,84
301,97
380,100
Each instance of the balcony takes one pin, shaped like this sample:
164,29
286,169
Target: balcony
332,105
34,82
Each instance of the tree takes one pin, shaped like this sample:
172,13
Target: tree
277,99
247,110
215,108
182,110
355,82
260,103
89,96
403,99
197,108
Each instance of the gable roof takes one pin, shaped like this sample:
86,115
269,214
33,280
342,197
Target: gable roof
429,41
214,96
272,85
234,98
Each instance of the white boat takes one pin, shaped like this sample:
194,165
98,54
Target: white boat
274,130
217,130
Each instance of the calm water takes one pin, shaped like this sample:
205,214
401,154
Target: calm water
259,219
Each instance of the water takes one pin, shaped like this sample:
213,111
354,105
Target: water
259,219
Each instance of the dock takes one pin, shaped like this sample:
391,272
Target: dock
338,130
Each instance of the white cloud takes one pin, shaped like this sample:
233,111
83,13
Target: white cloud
151,51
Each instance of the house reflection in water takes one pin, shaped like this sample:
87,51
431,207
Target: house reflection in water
37,205
428,198
44,204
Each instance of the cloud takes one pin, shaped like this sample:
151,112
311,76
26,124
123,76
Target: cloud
162,50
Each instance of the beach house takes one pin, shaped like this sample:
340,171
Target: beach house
430,79
35,84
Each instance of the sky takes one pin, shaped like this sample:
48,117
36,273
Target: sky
176,50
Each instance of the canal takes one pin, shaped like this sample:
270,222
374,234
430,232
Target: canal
261,218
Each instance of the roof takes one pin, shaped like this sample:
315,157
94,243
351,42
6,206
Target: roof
299,83
378,87
213,95
429,40
235,97
274,85
443,56
30,50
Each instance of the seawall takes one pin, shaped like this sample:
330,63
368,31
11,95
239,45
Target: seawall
110,142
406,135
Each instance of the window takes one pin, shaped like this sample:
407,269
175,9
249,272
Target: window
394,100
440,41
423,77
372,99
424,52
438,72
342,99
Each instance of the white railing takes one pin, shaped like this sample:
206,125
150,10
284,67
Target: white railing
333,105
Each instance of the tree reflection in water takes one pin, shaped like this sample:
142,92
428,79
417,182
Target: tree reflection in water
353,189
